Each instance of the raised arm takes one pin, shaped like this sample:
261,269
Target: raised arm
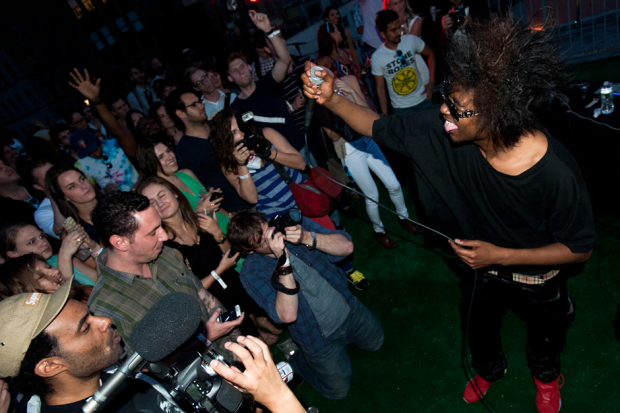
284,57
91,91
283,152
359,118
286,304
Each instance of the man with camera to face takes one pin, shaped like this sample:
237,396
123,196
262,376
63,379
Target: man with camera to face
290,272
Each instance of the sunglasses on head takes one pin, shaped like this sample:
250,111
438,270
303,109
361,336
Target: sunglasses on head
401,58
456,115
107,164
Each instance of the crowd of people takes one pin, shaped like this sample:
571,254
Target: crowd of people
194,184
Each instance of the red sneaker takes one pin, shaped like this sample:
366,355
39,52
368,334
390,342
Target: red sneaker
548,399
475,391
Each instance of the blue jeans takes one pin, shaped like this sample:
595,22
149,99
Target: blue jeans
329,372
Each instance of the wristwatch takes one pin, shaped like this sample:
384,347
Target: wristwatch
313,246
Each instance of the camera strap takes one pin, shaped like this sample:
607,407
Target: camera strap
281,270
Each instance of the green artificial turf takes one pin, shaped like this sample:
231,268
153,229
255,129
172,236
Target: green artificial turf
415,296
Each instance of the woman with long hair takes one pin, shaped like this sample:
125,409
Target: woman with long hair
132,118
158,113
156,158
75,196
410,23
24,238
332,56
332,14
203,246
31,273
255,178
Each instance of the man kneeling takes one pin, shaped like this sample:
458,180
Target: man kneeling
298,283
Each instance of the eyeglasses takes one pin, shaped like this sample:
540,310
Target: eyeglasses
451,107
401,58
107,164
199,81
194,104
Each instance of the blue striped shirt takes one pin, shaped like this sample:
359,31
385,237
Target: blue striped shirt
274,196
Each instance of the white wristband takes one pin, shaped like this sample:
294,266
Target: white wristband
289,106
274,34
288,262
246,176
219,280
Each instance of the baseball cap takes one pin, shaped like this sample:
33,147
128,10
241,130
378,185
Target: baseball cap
22,318
84,142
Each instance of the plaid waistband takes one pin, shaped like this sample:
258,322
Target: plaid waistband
525,279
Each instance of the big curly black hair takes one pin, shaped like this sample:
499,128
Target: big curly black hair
510,69
114,215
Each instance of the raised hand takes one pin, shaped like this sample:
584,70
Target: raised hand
260,20
322,94
84,85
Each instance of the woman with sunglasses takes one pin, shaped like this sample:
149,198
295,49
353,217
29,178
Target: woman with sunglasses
206,251
10,187
24,238
31,273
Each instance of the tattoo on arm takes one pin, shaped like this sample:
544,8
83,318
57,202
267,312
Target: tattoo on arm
210,302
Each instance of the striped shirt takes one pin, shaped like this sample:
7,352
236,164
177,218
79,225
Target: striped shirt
126,298
291,87
274,196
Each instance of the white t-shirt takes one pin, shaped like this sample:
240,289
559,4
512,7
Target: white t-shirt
370,8
403,83
212,108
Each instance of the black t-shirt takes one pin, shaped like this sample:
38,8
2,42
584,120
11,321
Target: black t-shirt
14,211
267,102
465,197
197,155
131,396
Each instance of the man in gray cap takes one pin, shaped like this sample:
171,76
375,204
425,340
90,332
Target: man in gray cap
54,348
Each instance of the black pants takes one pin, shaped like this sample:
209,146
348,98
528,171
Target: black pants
547,310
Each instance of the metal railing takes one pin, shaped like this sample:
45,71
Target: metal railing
587,29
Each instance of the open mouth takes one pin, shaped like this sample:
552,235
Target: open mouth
116,338
449,126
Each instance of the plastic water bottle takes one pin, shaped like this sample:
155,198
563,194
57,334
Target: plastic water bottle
607,103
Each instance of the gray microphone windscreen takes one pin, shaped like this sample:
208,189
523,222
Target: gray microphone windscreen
313,77
168,324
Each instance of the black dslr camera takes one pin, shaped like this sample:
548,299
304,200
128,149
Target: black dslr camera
253,139
290,218
196,387
458,18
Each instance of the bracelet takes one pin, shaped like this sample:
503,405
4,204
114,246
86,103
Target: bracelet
274,34
246,176
274,158
96,254
96,102
223,240
289,106
219,280
284,270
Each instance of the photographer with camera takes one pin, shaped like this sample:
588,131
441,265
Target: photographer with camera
56,350
297,283
460,14
249,160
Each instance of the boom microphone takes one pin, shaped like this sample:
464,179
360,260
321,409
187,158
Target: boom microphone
169,323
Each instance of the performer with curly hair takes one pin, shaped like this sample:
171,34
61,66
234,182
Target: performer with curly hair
497,182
